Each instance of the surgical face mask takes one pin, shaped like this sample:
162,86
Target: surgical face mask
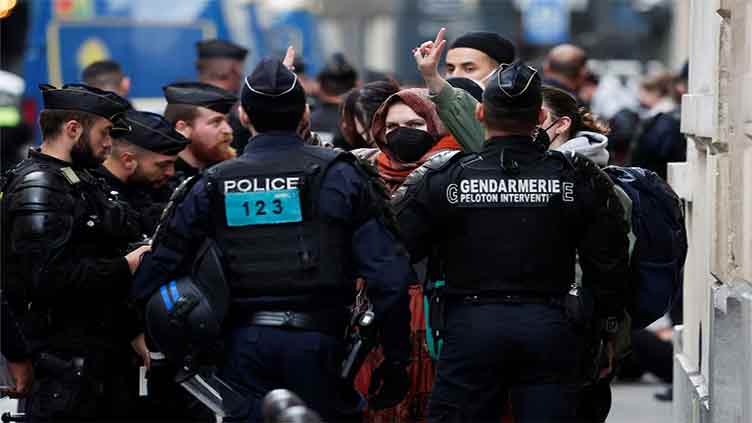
482,81
408,145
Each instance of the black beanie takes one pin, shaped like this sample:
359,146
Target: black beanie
490,43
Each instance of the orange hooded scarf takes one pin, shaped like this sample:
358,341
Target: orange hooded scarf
393,171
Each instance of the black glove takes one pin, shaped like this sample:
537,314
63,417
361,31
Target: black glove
389,385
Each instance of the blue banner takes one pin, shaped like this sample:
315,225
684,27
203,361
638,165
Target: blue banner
153,54
546,22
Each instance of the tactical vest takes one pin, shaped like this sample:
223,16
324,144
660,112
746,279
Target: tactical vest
512,229
73,212
268,227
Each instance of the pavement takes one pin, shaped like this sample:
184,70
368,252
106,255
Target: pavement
632,402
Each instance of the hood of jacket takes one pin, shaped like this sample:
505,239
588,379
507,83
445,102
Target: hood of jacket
590,144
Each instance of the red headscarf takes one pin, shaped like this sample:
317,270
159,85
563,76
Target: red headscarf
392,170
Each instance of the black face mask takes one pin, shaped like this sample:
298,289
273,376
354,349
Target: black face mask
408,145
541,138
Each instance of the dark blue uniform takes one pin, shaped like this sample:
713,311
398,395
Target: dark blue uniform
505,224
260,358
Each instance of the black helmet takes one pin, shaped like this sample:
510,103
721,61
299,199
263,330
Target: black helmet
277,401
298,414
184,316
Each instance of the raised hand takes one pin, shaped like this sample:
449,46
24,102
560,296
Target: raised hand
289,58
428,55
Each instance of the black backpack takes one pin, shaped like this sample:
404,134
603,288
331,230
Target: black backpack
657,261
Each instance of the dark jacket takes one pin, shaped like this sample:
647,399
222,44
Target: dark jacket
146,203
509,220
325,122
64,253
346,197
659,141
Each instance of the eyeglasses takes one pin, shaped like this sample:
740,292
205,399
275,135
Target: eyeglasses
507,81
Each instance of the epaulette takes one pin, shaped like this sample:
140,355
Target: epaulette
70,175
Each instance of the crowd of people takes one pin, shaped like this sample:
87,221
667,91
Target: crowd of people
247,228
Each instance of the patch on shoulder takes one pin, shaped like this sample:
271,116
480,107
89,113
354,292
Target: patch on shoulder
70,175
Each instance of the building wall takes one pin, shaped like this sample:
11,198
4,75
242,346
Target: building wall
713,349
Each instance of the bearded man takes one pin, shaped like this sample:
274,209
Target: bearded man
199,112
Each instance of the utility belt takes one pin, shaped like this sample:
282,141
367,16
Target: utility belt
514,299
330,323
437,298
56,366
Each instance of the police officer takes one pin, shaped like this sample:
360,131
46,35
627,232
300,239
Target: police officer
220,63
335,80
506,224
296,224
65,272
145,147
199,112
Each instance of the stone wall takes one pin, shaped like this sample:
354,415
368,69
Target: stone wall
713,374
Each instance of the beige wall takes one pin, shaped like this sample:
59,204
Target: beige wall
716,181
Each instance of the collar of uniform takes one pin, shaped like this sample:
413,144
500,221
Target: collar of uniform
112,181
183,167
36,154
273,141
517,142
521,147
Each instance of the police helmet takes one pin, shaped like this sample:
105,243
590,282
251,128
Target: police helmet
277,401
184,317
298,414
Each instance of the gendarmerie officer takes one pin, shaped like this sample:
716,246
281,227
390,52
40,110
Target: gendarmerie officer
295,224
199,112
64,269
506,225
145,147
220,63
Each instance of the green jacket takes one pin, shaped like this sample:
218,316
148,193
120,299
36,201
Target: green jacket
456,109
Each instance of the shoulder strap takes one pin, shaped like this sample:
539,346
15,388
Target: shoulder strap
169,211
378,194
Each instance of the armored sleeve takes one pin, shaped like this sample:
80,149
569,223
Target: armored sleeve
418,207
14,346
183,226
40,216
604,246
347,195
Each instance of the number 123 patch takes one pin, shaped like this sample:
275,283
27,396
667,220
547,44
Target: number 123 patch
263,208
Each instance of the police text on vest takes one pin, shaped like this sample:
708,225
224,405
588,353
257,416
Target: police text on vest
262,184
508,192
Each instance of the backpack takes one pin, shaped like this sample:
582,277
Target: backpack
657,261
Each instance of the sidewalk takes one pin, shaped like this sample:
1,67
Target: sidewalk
634,402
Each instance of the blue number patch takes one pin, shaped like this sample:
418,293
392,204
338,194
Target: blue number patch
263,208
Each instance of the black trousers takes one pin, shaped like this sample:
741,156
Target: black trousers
527,353
260,359
109,393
